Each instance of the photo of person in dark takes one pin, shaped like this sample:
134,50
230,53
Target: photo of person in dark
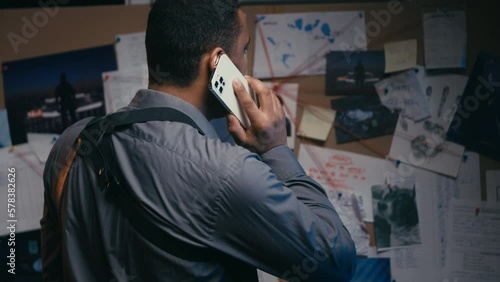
353,73
66,101
359,70
63,88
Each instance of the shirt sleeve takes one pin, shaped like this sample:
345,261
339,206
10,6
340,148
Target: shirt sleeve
276,218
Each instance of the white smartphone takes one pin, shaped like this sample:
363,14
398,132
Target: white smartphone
221,85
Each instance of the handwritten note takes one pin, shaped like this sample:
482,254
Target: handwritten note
404,92
122,85
400,55
445,39
130,50
347,179
465,186
345,171
473,246
316,122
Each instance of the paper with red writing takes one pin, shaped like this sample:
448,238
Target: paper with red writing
346,172
347,179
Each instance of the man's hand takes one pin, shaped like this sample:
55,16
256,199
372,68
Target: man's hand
267,124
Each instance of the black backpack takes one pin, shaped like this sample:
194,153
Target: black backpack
94,142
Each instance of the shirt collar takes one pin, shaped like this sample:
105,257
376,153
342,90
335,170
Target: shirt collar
147,98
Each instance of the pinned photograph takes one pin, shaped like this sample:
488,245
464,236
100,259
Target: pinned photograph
395,215
353,72
47,94
476,123
360,117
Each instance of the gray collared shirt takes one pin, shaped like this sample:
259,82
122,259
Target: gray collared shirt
260,211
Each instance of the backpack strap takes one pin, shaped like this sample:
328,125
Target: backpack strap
95,143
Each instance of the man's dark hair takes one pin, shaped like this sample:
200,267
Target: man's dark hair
179,32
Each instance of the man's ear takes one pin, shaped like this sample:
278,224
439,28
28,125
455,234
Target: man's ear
214,57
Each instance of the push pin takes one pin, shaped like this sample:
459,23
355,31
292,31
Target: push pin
398,162
465,157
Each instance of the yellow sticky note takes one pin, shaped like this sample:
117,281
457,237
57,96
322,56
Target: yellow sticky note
316,122
401,55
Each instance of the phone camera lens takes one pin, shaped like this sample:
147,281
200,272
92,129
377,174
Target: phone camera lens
216,84
221,79
221,89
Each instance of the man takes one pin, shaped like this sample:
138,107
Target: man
66,101
245,209
359,71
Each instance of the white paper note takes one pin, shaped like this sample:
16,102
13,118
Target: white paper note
403,92
415,145
493,186
266,277
121,86
417,263
130,50
465,186
41,144
29,189
346,171
347,179
473,250
295,44
445,39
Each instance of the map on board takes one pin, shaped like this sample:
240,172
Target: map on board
296,44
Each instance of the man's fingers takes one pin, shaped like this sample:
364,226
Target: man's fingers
234,127
278,104
263,92
246,101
